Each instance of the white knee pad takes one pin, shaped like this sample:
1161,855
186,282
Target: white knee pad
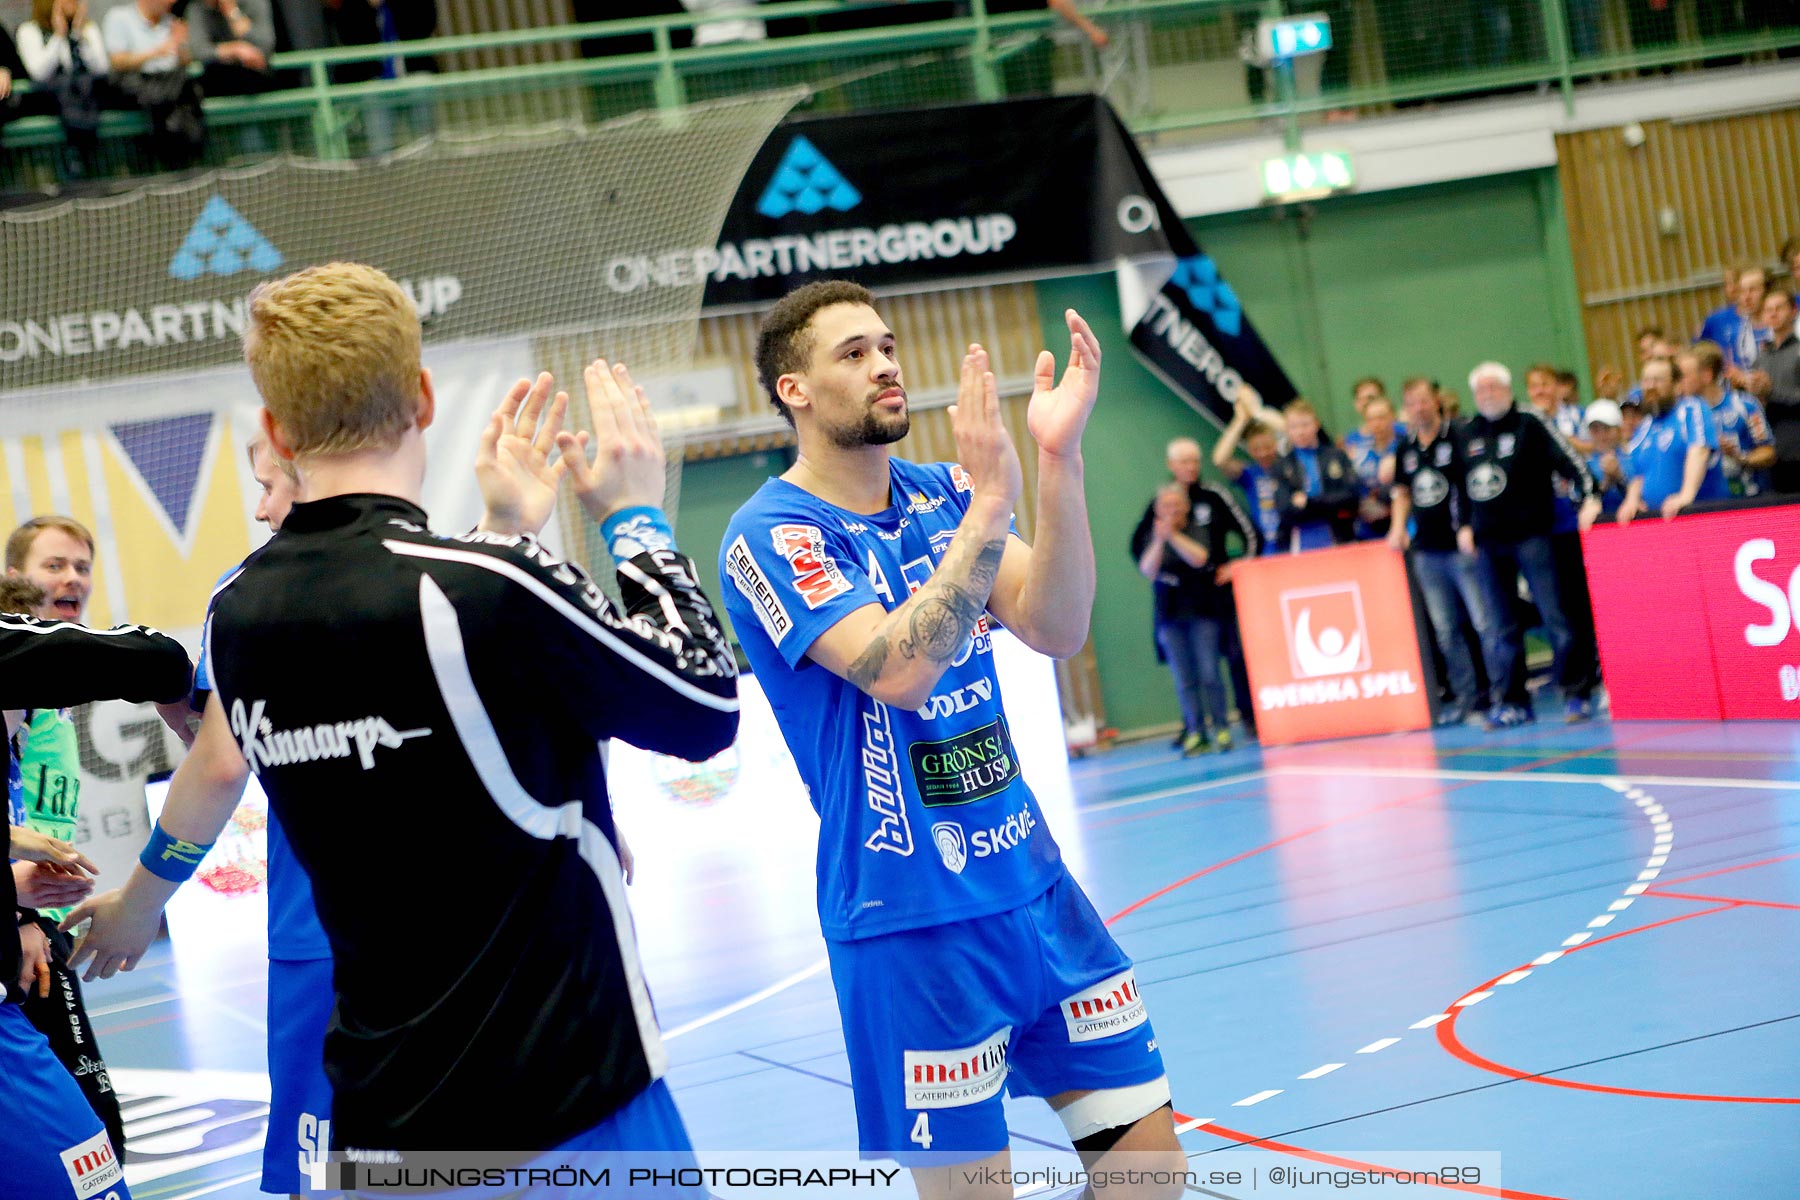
1110,1108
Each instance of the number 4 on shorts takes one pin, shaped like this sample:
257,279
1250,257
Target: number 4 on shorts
921,1130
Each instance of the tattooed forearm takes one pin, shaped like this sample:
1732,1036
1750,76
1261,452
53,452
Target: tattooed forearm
945,611
868,666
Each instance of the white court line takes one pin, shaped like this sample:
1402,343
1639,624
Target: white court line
1428,1022
1472,999
780,985
1318,1072
1170,793
1247,1101
1508,980
1190,1126
1377,1047
1772,785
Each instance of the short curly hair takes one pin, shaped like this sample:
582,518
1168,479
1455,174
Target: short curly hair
784,340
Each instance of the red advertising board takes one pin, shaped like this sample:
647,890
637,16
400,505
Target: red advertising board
1699,618
1330,644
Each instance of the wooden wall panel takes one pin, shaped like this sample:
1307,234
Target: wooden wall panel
1732,183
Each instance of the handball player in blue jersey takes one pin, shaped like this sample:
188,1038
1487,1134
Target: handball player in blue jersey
862,587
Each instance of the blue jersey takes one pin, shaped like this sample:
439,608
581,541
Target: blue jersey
1740,419
1736,334
924,817
1259,491
1662,457
295,934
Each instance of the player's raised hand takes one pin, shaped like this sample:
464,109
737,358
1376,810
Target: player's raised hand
33,846
1059,411
516,464
983,445
629,467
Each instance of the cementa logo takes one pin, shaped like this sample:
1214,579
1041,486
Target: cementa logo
806,182
223,243
1198,276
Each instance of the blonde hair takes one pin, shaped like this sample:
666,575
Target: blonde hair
334,351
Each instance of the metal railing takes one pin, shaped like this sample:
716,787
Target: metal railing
1170,66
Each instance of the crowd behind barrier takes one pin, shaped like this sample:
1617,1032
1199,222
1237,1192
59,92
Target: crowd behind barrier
1489,504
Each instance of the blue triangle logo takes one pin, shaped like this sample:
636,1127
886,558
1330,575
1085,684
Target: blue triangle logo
168,453
223,243
1198,276
806,182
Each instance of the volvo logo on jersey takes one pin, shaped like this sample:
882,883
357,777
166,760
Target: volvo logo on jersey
968,767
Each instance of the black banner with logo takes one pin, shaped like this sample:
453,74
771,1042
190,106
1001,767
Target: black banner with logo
1016,189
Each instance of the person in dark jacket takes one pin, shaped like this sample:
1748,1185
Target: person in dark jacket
1216,508
1511,461
1315,485
1182,546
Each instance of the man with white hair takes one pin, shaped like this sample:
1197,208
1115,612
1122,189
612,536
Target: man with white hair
1512,459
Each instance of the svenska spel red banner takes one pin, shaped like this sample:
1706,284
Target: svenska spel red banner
1699,618
1331,645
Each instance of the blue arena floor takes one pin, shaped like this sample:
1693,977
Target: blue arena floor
1574,946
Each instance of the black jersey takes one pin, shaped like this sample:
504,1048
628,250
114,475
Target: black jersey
1510,472
424,713
54,664
1433,477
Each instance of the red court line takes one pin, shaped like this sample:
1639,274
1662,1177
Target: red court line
1764,862
1334,1160
1447,1038
1735,901
1295,836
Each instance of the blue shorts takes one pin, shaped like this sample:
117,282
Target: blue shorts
300,1003
56,1148
1039,1000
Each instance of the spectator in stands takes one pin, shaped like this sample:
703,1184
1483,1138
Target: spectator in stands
233,40
374,23
1647,338
1676,464
1512,460
1631,413
1719,318
1315,485
1652,23
1429,508
1183,460
1543,387
1450,404
1364,392
1181,552
1746,444
1552,391
1607,461
1379,442
1737,330
1790,255
61,50
149,53
1256,477
1775,380
11,66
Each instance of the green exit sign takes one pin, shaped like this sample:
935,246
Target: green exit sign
1299,176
